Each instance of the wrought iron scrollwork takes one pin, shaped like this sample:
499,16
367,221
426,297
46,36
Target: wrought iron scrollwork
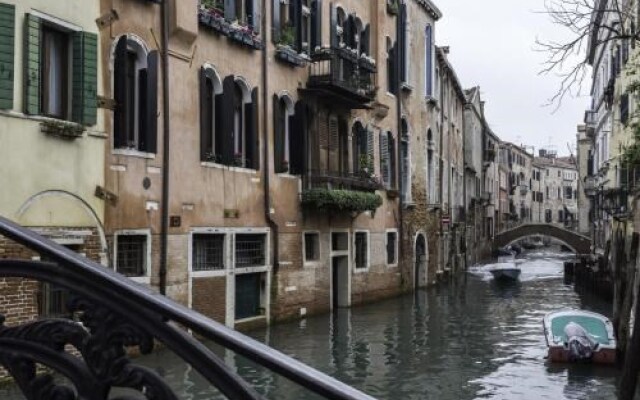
100,339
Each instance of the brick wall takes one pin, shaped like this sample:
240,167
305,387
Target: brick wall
209,297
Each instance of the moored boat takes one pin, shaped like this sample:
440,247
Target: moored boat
579,336
507,271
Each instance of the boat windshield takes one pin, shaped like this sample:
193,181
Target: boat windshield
594,326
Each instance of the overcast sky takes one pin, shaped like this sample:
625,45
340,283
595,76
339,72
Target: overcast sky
493,45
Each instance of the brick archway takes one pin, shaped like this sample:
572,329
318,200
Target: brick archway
578,243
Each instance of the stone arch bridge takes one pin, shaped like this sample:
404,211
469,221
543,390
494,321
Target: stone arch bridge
580,244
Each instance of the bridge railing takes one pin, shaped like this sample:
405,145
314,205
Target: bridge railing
115,314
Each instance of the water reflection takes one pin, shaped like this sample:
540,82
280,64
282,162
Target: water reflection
472,340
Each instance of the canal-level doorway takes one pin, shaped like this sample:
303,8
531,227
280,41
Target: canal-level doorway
340,270
421,262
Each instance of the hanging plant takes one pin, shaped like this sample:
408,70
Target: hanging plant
341,200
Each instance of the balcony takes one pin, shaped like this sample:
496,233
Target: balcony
318,179
342,75
487,198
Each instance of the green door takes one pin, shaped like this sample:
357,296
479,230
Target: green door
247,295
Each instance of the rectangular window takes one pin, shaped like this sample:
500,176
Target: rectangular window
131,255
311,247
250,250
361,250
392,244
339,241
52,301
208,252
55,70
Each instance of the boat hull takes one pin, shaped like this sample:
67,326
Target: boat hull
596,325
506,274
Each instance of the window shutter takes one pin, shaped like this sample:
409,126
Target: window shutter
150,116
316,25
278,136
276,27
85,78
226,116
333,20
206,109
393,67
402,43
7,49
251,123
384,158
297,135
365,39
32,64
392,160
370,149
348,29
122,109
295,8
230,10
334,134
254,14
218,137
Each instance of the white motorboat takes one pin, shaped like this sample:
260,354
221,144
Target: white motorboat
505,271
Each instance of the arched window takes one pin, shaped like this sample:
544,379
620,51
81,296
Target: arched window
239,124
211,100
428,39
392,75
362,150
431,181
283,111
136,96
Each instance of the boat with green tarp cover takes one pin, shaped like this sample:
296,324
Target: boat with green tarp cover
579,336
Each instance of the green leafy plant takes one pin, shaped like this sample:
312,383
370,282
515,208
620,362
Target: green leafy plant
287,36
62,128
341,200
392,7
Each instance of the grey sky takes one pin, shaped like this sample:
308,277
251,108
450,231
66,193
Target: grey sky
492,45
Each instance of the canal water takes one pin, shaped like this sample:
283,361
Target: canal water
470,340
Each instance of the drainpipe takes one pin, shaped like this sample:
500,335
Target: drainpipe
265,147
441,167
464,185
164,229
401,189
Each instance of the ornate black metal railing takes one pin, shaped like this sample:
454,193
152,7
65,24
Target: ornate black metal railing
344,72
115,314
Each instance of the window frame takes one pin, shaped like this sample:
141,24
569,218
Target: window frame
216,82
367,234
305,261
146,278
397,248
225,255
66,87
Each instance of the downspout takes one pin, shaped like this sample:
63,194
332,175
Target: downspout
164,228
464,185
273,226
401,189
441,168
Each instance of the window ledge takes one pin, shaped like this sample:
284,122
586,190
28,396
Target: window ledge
312,264
287,175
209,274
146,280
361,270
393,96
392,265
250,319
249,270
133,153
406,86
208,164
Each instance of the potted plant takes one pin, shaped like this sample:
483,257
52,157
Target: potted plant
392,7
69,130
238,160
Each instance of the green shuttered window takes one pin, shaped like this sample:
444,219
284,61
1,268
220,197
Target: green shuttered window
7,43
46,78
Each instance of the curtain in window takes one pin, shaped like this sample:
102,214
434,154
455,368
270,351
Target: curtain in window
54,73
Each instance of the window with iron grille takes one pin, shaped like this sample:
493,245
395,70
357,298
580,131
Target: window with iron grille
392,241
131,255
250,250
52,301
208,252
311,246
361,249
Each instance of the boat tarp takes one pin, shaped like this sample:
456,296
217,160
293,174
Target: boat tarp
594,326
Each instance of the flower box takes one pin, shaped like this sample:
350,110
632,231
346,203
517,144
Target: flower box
289,55
63,129
341,200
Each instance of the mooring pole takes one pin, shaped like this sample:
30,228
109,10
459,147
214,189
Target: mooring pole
631,367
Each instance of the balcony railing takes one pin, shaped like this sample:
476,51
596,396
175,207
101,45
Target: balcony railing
343,73
117,314
320,179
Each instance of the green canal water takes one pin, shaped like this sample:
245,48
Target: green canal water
470,340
